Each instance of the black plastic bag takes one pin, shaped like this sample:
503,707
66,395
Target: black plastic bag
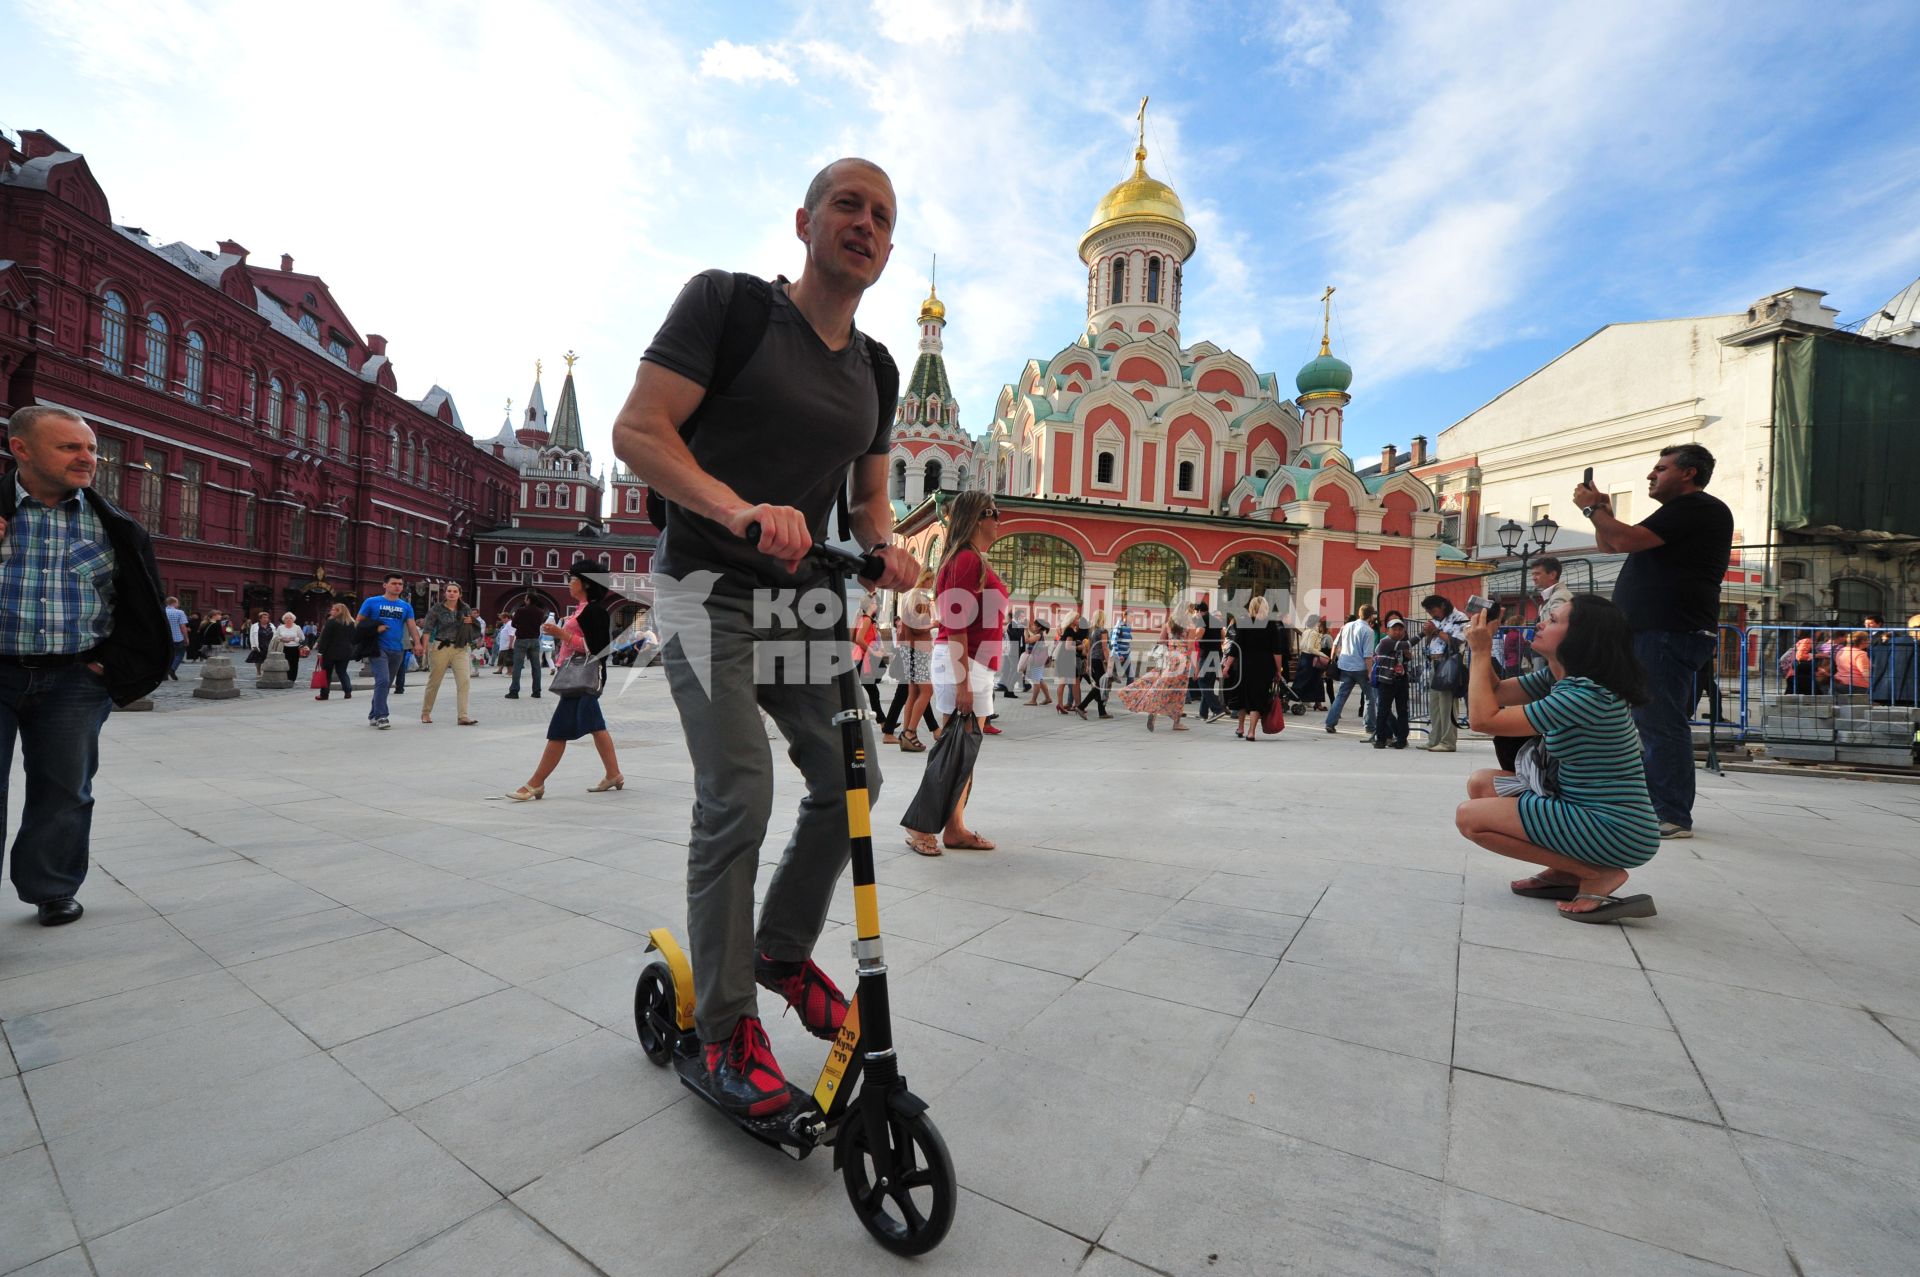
949,768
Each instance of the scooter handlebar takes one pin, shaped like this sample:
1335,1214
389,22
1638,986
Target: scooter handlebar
867,567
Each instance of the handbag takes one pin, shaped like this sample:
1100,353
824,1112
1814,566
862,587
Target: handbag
1450,674
319,680
1274,721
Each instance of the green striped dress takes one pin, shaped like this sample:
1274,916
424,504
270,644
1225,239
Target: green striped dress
1603,815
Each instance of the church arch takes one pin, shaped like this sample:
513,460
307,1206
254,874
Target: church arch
1038,567
1149,573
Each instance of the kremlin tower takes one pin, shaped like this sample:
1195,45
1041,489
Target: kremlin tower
930,452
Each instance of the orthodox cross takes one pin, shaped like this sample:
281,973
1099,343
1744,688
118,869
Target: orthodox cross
1326,319
1142,117
536,370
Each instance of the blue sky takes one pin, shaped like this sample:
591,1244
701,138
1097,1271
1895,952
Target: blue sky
1485,182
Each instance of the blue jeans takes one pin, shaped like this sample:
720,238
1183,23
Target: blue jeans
527,650
1350,679
1670,659
179,655
386,663
56,714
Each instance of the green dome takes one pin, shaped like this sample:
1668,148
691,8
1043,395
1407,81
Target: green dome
1324,375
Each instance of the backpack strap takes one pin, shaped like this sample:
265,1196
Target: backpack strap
886,386
749,309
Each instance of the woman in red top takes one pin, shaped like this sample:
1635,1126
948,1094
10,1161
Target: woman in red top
970,607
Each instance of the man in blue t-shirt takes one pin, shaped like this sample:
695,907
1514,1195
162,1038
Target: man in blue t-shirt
177,631
397,633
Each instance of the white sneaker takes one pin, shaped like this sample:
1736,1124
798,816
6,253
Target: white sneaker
1670,830
384,724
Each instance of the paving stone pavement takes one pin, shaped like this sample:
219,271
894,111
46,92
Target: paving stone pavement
1207,1010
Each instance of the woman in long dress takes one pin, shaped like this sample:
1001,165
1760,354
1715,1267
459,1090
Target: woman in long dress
1164,691
1259,661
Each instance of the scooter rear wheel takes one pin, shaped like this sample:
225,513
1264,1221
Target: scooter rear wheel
653,1012
910,1213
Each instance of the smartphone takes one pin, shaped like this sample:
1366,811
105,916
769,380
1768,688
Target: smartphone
1477,604
1588,477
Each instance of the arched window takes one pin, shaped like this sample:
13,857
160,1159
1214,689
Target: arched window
322,418
960,477
630,563
297,533
633,501
553,558
156,350
1153,279
563,496
406,457
1037,566
1183,481
113,333
898,488
930,477
542,495
1149,574
299,416
1117,287
1251,573
426,463
342,432
251,409
393,450
276,404
1103,468
500,556
526,558
195,388
1854,598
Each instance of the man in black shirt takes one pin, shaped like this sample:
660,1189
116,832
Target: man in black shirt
773,447
527,620
1669,588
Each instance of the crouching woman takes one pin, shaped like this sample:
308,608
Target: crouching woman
1577,803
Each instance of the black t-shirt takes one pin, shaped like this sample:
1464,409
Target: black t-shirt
1212,635
527,620
1676,585
796,416
1074,635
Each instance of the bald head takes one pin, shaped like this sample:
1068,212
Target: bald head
822,183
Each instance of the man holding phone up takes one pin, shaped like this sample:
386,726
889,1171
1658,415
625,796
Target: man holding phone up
1669,588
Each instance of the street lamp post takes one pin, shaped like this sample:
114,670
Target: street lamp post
1514,540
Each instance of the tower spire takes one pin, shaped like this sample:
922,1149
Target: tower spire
1140,147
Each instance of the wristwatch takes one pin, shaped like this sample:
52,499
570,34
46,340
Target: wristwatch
1586,511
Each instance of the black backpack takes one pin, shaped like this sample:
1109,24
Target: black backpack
748,312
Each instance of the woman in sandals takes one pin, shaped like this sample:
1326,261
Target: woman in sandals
588,628
970,613
1580,809
913,666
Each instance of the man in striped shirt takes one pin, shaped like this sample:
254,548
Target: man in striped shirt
1122,651
81,627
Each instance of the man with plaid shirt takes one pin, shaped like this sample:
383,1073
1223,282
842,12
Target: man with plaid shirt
81,628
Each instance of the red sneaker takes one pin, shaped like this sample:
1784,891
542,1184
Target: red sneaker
822,1007
988,729
743,1074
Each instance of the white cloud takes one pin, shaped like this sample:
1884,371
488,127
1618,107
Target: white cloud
744,64
943,21
1309,33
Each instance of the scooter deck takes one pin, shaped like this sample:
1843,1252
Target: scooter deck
775,1129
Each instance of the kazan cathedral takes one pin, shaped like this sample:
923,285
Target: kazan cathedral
1136,470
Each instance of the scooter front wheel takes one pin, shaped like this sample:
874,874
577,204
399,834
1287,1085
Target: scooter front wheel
653,1012
909,1211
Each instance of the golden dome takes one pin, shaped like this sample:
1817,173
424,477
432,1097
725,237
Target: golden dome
1141,198
933,308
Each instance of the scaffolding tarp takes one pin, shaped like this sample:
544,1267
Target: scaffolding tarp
1846,436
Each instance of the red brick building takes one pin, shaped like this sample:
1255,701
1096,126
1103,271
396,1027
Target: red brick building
242,417
561,513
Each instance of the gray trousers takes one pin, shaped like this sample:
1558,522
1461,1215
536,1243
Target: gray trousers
1442,731
733,797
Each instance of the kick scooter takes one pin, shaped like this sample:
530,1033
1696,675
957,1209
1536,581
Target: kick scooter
889,1154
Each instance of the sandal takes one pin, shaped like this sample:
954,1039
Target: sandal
910,742
469,722
972,842
1611,908
931,847
1539,890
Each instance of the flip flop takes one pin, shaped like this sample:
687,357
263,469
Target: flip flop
1613,908
925,849
975,843
1548,890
